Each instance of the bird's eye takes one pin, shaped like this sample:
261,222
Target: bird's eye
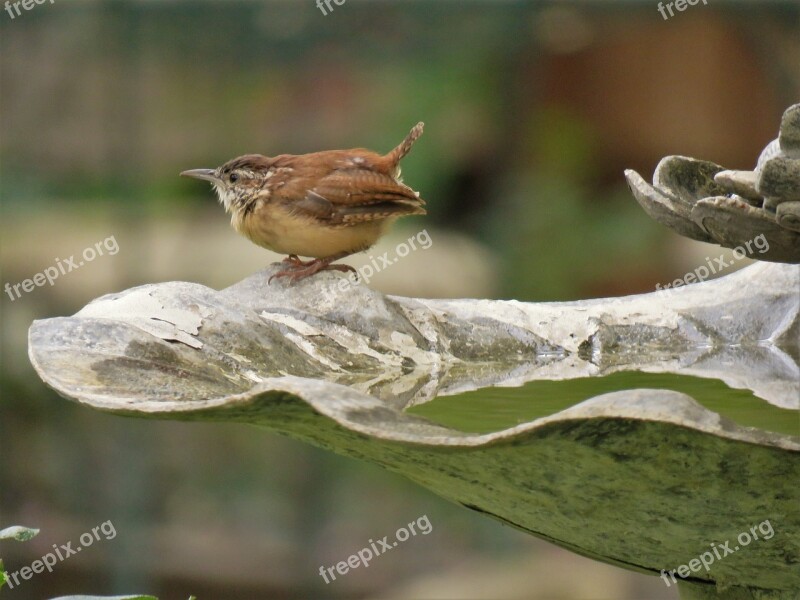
233,177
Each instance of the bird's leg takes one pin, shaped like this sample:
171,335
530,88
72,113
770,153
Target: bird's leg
307,269
294,261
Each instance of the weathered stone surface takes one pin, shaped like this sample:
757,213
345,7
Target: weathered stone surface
788,215
181,342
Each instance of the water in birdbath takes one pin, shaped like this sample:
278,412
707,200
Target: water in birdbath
495,408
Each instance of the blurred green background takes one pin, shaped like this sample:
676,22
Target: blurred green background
532,111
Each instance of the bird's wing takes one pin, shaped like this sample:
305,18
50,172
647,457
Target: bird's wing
355,196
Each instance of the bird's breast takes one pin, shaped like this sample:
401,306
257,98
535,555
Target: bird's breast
274,227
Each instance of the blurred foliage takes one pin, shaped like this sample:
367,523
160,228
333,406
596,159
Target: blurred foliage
553,250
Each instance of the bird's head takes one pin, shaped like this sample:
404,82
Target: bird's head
238,182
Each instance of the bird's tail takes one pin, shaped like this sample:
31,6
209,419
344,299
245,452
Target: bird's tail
404,147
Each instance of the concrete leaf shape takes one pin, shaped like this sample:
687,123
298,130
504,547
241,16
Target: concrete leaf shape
644,479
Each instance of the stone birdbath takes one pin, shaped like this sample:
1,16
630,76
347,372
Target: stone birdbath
645,479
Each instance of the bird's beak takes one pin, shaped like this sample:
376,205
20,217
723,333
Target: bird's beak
207,174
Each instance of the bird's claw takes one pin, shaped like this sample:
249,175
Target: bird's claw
301,269
294,261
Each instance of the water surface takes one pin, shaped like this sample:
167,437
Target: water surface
494,408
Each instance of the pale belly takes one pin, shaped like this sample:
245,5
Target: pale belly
288,234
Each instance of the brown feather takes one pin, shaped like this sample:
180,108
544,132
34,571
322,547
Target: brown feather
359,186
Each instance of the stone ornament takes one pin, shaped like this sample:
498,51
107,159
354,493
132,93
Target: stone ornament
705,202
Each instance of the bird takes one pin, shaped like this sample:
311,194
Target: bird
322,205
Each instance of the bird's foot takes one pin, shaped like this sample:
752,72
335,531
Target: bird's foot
293,261
300,269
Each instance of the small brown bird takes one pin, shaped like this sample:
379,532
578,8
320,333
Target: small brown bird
325,205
